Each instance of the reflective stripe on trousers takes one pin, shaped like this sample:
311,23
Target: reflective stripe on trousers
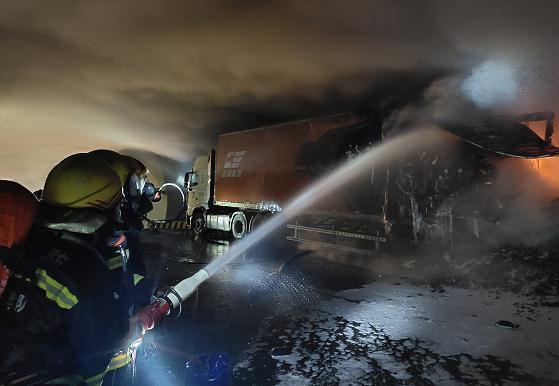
119,360
96,380
137,278
69,379
74,380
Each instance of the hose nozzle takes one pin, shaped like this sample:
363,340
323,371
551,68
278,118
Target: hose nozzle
150,315
185,288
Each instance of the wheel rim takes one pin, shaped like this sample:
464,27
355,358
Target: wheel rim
198,224
238,226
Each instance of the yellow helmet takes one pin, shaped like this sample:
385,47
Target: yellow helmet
83,181
132,173
136,166
119,163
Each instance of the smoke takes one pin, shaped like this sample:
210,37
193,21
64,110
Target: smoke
167,77
488,222
520,206
491,84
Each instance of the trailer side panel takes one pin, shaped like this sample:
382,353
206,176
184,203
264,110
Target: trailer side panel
256,168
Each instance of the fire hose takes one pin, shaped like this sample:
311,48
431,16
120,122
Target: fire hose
152,314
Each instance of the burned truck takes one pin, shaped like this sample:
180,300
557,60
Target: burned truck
252,174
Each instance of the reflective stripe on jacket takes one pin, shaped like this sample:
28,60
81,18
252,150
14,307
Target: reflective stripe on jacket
55,291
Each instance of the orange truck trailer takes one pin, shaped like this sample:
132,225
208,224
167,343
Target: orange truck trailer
252,174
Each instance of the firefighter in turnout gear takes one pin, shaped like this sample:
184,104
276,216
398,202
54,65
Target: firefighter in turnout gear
138,192
17,210
133,178
80,293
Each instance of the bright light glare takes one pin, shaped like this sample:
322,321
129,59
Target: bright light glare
491,84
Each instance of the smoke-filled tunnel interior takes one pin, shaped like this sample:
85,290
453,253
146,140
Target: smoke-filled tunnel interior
359,193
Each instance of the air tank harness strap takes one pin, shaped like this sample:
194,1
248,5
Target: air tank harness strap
76,240
118,261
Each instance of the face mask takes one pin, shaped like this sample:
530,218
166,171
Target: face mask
113,233
149,190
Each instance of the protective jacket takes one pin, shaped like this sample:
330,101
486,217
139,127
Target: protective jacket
79,297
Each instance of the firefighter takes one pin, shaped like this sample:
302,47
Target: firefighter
81,294
133,178
138,197
17,210
138,192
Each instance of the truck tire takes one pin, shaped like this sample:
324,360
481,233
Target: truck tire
257,220
198,223
238,225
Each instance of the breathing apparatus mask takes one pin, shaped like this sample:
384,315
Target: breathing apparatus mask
151,192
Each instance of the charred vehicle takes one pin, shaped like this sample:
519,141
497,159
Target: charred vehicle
252,174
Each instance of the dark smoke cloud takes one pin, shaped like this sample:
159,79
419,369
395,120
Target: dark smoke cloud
166,76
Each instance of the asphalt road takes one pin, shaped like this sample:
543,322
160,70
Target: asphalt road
325,319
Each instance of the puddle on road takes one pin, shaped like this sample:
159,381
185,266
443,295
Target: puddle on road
331,275
301,345
338,351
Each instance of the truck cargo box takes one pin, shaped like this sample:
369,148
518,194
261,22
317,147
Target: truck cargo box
263,168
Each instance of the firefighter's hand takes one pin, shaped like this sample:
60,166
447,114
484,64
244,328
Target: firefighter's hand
162,291
136,332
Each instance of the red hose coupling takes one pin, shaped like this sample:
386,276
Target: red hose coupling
153,313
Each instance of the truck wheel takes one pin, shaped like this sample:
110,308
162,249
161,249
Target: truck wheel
198,223
257,220
238,225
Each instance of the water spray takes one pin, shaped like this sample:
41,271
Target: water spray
275,276
178,188
384,152
180,212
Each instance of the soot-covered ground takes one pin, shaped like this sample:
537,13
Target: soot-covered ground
324,318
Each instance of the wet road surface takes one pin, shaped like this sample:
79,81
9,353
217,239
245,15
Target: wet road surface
318,320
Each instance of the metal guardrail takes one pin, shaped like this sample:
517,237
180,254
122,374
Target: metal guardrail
359,236
337,233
